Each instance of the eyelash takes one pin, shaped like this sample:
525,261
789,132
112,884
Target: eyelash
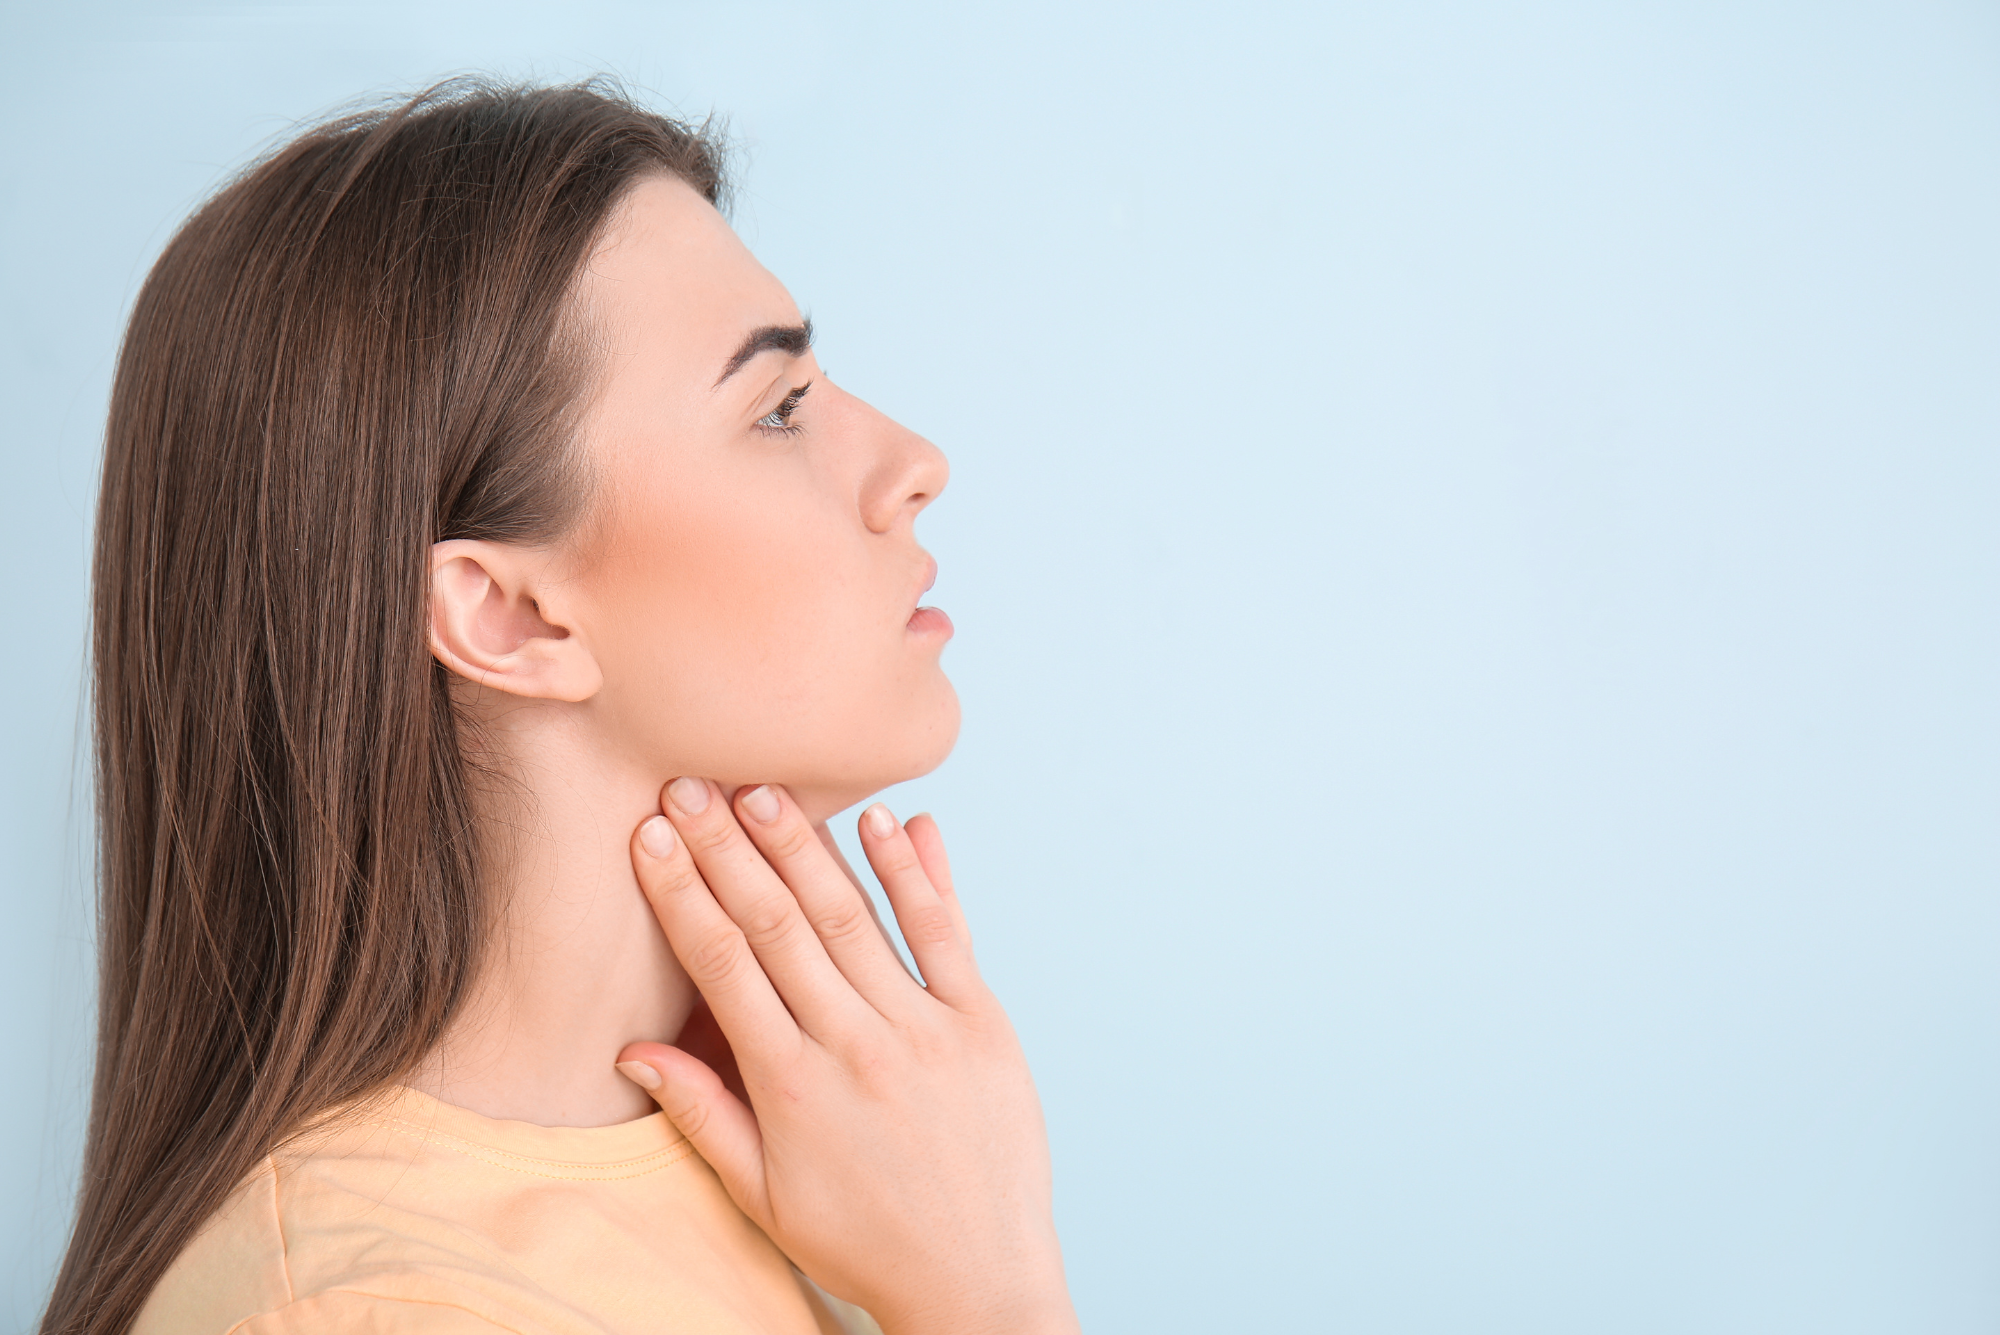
779,419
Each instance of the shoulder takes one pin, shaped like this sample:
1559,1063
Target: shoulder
234,1267
238,1277
355,1313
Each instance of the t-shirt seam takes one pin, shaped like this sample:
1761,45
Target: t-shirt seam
278,1224
667,1157
384,1298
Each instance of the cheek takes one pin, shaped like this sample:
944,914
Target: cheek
740,631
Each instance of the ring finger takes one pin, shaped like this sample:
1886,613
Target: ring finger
836,907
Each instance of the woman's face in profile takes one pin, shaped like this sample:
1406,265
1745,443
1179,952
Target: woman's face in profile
749,577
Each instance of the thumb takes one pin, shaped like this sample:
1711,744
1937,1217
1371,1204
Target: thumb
717,1123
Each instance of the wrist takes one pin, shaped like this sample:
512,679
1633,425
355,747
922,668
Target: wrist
1052,1322
1045,1311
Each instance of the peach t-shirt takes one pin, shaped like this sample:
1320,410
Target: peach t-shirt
410,1216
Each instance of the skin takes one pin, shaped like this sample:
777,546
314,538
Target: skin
739,610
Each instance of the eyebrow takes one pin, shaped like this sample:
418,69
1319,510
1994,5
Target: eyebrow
791,339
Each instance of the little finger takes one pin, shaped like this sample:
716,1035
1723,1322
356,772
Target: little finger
924,837
942,952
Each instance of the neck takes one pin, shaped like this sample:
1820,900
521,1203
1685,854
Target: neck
576,966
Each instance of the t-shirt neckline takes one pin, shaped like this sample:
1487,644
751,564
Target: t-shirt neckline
642,1144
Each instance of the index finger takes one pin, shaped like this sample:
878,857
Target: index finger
710,946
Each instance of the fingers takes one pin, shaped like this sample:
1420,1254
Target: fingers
924,837
761,906
837,909
832,847
708,944
932,930
716,1122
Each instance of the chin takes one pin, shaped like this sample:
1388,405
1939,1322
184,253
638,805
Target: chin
918,747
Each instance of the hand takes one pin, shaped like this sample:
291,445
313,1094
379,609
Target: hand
893,1144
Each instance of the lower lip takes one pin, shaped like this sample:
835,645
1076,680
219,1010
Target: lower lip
931,621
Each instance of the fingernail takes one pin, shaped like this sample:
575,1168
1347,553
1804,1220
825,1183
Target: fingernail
761,803
880,823
657,837
640,1074
690,795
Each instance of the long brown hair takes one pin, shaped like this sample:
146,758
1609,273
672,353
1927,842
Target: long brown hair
361,346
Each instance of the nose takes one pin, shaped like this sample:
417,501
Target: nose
905,472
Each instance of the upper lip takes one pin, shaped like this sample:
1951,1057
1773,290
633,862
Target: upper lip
930,576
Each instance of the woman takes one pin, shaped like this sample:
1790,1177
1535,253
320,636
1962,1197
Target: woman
493,601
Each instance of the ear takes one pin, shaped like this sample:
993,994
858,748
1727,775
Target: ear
488,625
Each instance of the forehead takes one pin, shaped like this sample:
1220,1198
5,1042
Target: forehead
673,282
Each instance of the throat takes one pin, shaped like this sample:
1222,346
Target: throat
576,966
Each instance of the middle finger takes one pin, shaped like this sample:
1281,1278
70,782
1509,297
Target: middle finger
836,906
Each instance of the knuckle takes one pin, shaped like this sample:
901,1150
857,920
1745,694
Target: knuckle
872,1071
677,876
843,922
930,926
932,1045
872,1066
766,923
717,958
710,835
689,1116
788,841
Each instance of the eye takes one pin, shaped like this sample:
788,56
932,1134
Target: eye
780,417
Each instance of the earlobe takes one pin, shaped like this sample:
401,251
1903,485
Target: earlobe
487,625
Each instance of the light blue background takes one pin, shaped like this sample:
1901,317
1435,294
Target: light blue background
1474,543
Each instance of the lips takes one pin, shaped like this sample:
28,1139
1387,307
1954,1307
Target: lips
930,620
